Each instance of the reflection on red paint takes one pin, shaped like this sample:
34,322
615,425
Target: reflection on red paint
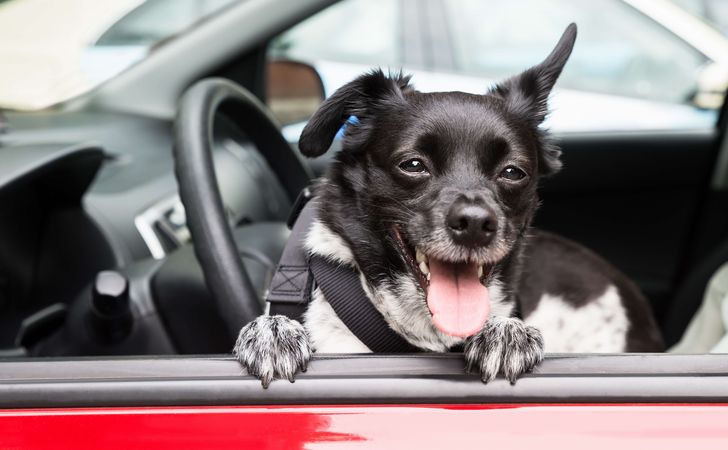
591,427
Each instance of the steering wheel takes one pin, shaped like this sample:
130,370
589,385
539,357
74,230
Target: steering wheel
236,299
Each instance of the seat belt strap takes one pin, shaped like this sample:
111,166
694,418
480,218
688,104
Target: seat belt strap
342,288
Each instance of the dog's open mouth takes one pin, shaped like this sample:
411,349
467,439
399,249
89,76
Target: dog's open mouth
456,292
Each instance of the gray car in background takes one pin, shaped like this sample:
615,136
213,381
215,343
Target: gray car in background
638,64
635,66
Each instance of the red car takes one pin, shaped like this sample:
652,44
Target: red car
106,321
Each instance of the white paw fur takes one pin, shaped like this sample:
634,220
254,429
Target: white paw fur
505,345
273,347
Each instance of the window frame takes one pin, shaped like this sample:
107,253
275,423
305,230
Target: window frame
360,379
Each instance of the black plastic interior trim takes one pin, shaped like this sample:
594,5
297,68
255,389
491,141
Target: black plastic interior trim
361,379
26,161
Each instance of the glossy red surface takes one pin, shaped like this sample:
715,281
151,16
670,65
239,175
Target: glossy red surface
591,427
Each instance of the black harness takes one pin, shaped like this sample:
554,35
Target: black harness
298,273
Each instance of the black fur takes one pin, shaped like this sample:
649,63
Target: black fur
580,276
465,139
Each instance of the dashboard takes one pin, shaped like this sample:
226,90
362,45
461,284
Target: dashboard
133,198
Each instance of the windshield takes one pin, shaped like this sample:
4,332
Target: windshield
55,50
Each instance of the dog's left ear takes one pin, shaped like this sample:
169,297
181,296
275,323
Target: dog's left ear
526,94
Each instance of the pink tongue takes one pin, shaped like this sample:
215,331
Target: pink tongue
459,303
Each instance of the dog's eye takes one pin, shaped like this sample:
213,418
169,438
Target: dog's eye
413,166
513,173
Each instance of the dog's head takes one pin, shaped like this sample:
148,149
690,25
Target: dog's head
440,185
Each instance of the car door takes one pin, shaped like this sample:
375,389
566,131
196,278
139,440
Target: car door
364,401
639,154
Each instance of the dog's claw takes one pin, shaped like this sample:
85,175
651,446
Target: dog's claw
504,345
487,378
273,347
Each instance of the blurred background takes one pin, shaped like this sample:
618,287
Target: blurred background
638,64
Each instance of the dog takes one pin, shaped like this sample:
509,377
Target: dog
431,200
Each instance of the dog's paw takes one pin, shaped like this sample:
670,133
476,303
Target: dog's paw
273,347
504,345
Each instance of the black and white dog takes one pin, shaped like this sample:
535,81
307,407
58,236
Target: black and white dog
431,200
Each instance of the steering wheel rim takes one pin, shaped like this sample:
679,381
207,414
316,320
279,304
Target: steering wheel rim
214,245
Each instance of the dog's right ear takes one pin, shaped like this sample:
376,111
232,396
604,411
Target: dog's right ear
362,98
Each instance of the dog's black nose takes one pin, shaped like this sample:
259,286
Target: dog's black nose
471,224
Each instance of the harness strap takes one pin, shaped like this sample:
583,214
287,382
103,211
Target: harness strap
342,288
292,285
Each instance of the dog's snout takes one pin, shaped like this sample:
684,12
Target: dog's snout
471,224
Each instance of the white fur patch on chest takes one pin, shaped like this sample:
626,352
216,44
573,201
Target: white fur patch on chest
327,332
600,326
321,241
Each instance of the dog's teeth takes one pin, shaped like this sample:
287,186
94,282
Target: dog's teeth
424,269
420,256
428,276
480,271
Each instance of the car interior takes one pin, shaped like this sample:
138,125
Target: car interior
147,215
